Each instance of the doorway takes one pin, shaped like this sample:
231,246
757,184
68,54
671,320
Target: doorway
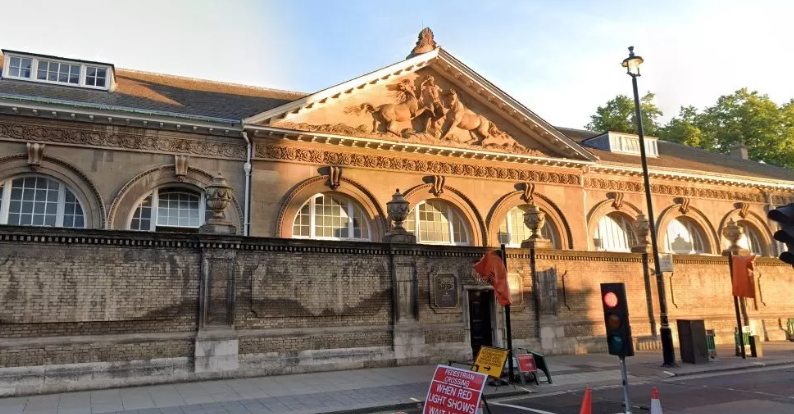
480,305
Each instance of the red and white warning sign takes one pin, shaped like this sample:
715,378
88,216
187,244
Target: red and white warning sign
454,391
526,363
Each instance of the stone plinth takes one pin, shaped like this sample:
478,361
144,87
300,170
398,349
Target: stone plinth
217,350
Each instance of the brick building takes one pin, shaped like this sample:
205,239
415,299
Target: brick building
114,271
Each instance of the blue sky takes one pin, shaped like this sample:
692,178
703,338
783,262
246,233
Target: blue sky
560,58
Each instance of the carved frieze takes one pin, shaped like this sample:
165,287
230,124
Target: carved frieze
137,142
673,190
317,156
419,111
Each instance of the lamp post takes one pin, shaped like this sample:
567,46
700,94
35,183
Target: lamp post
632,65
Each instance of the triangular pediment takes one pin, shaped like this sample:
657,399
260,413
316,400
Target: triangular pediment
429,99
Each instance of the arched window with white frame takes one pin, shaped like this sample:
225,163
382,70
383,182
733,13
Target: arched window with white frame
176,209
512,230
37,200
614,234
331,217
437,222
684,236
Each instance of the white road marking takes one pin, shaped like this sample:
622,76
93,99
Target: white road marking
518,407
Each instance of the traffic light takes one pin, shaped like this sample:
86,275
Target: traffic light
616,318
784,216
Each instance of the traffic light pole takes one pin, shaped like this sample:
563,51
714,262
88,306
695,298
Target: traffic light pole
626,399
668,353
739,333
509,329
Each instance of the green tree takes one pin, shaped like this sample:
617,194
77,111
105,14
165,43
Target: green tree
686,129
618,116
751,119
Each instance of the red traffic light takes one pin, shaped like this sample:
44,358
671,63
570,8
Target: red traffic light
610,299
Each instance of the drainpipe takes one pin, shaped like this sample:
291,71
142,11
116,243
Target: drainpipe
247,167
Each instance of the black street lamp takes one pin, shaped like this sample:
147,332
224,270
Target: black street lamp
632,65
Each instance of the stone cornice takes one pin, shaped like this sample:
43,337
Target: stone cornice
84,137
410,164
699,192
698,177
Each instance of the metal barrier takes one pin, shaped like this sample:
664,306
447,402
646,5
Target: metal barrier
712,345
746,333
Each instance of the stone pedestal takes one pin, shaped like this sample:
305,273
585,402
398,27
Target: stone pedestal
409,342
536,243
216,351
217,228
399,237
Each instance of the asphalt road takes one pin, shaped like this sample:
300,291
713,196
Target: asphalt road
766,390
760,391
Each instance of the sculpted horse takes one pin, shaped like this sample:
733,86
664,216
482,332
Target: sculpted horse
387,114
457,115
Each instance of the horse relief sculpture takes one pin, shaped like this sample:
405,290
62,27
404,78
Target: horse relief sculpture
434,116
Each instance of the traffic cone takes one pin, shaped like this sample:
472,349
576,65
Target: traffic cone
656,404
587,406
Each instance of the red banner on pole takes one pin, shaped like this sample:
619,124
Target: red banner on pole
743,279
454,391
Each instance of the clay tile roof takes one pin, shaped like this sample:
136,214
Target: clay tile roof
685,159
164,93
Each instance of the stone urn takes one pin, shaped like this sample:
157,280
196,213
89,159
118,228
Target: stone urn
218,194
642,229
535,219
733,232
397,210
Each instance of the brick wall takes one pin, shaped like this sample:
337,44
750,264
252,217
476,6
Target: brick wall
106,296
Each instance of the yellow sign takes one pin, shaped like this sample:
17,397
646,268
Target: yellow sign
490,361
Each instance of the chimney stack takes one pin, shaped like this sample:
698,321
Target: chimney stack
740,151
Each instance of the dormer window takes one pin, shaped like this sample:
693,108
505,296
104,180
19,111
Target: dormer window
48,69
623,143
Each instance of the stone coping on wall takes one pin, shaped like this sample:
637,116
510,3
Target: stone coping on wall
50,235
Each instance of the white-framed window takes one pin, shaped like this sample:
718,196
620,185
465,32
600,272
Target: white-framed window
512,230
331,217
437,222
170,209
58,72
36,200
614,234
684,236
20,67
96,76
36,68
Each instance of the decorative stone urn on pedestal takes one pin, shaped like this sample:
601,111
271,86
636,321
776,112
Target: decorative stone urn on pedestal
219,194
642,229
733,232
397,209
534,219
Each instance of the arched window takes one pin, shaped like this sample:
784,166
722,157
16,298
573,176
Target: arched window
512,231
36,200
614,234
169,209
684,236
436,222
331,217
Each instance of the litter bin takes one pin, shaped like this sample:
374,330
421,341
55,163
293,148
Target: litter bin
791,329
692,341
710,334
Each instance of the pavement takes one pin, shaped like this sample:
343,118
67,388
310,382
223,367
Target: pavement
368,390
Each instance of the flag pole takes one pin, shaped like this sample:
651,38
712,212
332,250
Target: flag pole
740,336
503,250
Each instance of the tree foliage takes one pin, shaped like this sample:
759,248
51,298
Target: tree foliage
743,117
618,115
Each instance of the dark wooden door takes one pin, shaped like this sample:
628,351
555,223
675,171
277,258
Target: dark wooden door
480,319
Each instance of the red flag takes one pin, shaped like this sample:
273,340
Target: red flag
743,276
491,269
